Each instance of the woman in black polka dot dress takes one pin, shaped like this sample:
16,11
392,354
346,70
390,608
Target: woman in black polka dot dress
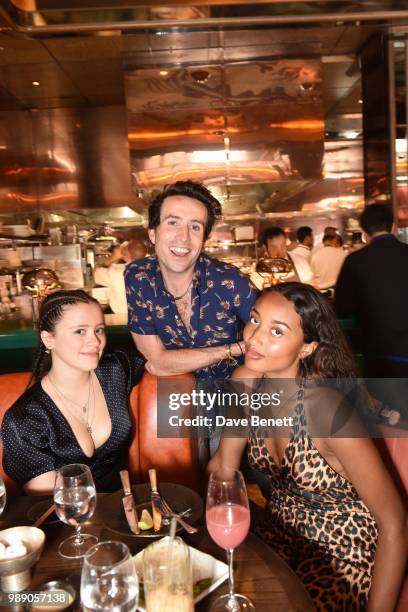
77,409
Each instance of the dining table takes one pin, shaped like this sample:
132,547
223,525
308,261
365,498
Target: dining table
259,572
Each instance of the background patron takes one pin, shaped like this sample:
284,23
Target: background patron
326,262
112,273
274,243
304,236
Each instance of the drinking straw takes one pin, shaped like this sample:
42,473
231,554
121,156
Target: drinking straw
172,533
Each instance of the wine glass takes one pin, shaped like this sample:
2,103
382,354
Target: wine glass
228,519
75,502
109,579
3,496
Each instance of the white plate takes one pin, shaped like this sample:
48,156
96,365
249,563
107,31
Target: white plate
204,566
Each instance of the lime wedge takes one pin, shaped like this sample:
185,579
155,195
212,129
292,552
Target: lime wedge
146,521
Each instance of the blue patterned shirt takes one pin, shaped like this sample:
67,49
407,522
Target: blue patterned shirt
222,299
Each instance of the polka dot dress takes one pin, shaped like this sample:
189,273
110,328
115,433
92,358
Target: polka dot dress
37,438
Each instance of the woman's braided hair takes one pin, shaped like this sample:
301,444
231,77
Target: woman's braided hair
51,311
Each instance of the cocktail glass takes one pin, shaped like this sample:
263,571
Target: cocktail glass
228,518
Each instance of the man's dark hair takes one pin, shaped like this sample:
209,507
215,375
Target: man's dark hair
330,232
303,232
189,189
270,233
377,218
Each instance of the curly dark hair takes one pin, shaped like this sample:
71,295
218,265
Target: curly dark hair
51,311
189,189
332,358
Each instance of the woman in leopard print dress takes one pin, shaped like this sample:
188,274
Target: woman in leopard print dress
333,513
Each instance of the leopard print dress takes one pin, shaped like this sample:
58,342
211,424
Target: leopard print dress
316,521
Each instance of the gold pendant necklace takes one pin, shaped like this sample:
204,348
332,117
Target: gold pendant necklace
83,407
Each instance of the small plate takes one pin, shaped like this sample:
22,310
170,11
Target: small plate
204,566
179,497
50,591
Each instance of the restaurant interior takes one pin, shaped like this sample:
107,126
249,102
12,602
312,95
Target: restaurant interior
292,113
291,117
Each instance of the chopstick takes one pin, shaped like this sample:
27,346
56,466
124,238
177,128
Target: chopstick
44,515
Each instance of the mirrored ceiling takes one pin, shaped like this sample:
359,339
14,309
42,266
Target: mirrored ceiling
260,100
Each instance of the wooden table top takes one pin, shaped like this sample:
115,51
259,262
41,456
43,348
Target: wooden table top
259,572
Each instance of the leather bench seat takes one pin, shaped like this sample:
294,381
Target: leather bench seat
176,459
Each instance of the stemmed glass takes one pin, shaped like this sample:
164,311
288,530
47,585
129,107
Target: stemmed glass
228,519
108,579
3,496
75,502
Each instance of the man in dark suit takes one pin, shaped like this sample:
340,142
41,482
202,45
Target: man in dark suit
373,286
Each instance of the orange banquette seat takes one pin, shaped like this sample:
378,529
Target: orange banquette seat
176,459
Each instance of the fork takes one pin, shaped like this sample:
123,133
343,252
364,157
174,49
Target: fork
166,509
184,514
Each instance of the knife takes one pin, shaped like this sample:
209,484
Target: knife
129,503
156,501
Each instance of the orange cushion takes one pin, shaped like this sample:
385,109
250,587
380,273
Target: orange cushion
11,387
175,459
134,453
394,450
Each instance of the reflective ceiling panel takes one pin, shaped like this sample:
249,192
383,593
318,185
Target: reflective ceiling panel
225,123
75,15
258,99
59,159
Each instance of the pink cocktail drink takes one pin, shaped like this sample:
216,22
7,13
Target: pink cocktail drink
228,521
228,524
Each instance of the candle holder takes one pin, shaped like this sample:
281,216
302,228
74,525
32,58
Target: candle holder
273,270
39,283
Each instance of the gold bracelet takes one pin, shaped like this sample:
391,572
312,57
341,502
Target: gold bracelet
230,357
240,348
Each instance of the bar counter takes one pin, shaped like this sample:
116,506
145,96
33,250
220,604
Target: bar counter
19,340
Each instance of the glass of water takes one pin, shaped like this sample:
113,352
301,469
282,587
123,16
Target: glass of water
108,579
75,502
3,496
